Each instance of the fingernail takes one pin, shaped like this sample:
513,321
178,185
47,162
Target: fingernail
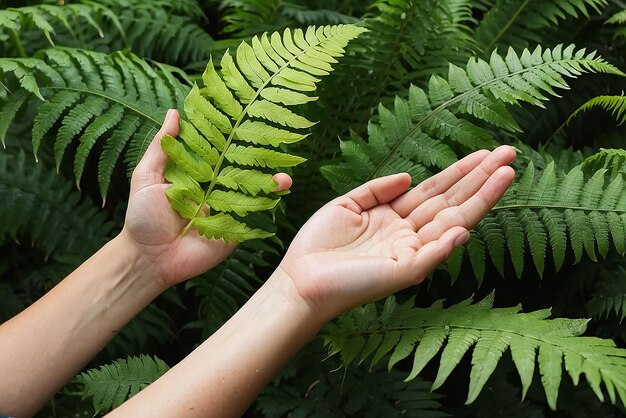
169,112
462,239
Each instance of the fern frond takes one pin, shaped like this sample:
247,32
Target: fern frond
307,17
617,18
44,207
405,38
544,210
45,17
362,394
402,330
158,30
519,23
609,296
613,160
422,129
151,327
246,104
112,384
92,97
616,105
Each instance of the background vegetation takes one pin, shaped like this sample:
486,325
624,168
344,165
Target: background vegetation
85,85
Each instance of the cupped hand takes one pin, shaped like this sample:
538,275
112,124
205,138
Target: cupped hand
154,228
378,238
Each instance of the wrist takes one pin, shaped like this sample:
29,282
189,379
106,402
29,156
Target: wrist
284,287
141,268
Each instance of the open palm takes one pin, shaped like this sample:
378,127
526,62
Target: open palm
377,239
154,228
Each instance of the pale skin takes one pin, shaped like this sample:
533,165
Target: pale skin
360,247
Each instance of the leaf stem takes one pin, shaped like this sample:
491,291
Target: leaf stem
15,37
240,119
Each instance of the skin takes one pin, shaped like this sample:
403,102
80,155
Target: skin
362,246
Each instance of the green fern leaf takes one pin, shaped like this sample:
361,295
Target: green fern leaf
94,97
8,113
521,22
439,116
609,296
229,112
46,209
112,384
489,332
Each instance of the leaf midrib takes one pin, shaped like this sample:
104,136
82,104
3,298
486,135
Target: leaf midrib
557,207
107,97
563,347
239,120
507,26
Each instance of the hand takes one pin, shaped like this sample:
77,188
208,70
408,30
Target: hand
377,239
154,228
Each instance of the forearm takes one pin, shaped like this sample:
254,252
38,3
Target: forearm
46,345
225,374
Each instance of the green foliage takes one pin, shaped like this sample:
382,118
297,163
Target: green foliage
518,23
402,330
159,30
609,296
419,132
617,18
543,211
89,96
320,399
224,289
42,208
410,94
111,384
616,105
246,103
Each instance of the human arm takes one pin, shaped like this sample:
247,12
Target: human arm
360,247
46,345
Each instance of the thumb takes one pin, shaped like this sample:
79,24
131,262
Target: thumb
149,171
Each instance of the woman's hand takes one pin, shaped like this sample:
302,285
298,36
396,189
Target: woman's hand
377,239
153,227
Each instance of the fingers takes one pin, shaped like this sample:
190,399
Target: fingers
374,192
284,181
463,189
470,212
432,254
437,184
150,169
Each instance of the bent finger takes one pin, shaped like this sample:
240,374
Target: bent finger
432,254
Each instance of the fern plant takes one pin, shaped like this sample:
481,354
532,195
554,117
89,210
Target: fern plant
42,208
89,96
320,399
441,113
401,330
158,30
518,23
544,210
111,384
609,295
246,104
419,129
